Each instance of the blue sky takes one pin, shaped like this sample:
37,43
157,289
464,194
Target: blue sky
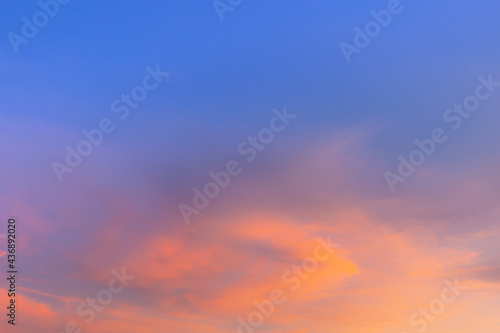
226,77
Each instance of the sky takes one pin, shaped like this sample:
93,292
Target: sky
251,166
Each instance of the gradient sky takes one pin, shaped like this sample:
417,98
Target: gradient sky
323,176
